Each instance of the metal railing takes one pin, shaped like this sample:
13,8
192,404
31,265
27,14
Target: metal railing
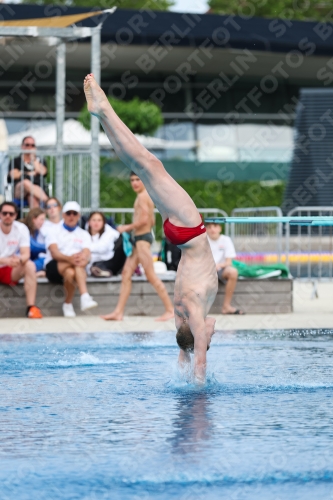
73,184
124,216
253,239
309,250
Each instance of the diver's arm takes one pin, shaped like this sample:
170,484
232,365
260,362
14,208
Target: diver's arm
198,328
184,359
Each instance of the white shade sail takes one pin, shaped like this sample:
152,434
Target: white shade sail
3,136
77,137
245,142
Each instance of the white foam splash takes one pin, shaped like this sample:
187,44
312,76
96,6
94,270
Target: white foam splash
85,358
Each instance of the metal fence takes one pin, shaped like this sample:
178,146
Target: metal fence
306,250
309,250
72,183
253,242
124,216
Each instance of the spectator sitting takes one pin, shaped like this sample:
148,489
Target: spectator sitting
15,256
28,173
68,253
35,221
223,251
107,254
54,216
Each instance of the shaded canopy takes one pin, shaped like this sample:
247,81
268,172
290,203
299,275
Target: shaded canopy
51,22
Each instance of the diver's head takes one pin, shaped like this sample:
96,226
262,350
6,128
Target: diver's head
185,339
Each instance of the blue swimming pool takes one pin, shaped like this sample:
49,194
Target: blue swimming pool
106,416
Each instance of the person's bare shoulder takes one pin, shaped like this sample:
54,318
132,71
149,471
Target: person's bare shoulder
145,200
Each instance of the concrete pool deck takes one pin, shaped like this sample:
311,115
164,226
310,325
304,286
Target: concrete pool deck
308,313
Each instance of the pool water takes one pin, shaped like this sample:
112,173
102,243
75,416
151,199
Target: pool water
107,416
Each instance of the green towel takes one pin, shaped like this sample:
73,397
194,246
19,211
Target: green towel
259,271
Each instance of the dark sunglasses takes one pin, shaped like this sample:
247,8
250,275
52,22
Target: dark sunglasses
29,144
72,212
12,214
52,205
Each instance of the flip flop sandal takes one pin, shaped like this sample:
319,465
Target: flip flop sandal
238,311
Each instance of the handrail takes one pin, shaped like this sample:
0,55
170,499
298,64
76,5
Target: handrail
309,211
292,221
46,152
262,210
257,209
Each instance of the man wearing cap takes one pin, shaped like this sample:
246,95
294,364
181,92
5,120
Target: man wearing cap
68,253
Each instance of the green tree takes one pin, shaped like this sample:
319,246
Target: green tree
141,117
316,10
117,192
107,4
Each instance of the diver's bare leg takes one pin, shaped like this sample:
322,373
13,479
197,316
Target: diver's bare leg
162,188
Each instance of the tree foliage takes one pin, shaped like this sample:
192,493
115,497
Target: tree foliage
141,117
117,192
107,4
316,10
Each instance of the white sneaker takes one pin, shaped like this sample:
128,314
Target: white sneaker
87,302
68,310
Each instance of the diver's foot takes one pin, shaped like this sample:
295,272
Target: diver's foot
96,98
166,316
114,316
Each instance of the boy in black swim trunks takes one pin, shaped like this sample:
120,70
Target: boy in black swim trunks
143,221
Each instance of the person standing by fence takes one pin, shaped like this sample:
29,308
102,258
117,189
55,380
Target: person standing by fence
143,221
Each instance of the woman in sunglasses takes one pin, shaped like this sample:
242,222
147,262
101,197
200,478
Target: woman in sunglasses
27,172
54,215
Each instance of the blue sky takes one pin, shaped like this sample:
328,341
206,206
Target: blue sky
199,6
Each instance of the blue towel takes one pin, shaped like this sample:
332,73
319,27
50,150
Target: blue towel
39,263
36,248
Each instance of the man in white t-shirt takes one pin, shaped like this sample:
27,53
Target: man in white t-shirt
15,260
223,251
68,253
